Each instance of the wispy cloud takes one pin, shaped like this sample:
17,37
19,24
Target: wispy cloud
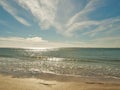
53,13
11,10
82,14
61,15
108,25
80,20
42,10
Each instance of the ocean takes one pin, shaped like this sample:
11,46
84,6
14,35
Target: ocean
81,62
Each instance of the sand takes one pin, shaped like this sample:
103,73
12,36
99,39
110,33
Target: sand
12,83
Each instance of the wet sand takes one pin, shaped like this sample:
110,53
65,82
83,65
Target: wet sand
13,83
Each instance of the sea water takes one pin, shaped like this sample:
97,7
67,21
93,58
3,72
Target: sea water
83,62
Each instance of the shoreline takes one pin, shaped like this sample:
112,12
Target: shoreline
60,77
8,82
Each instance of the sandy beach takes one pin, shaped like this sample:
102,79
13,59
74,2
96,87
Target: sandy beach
13,83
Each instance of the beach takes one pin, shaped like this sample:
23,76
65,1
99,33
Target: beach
59,45
13,83
59,69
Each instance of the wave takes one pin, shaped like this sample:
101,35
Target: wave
78,62
66,54
65,59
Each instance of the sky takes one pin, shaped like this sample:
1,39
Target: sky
60,23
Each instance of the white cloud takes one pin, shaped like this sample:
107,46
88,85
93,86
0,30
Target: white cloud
80,26
104,42
22,42
13,12
36,39
82,15
20,39
34,42
62,15
107,42
21,20
109,25
42,10
59,14
108,39
38,42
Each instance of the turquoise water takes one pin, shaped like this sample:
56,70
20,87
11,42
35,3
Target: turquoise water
83,62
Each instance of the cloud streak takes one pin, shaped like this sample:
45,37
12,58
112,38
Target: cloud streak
42,10
11,10
61,15
108,25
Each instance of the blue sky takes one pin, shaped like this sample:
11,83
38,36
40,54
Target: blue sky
59,23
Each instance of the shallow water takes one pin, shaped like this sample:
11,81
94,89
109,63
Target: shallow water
83,62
